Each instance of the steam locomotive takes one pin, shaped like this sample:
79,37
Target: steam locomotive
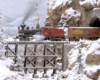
49,33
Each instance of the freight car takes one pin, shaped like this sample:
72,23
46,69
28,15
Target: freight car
75,33
49,33
52,33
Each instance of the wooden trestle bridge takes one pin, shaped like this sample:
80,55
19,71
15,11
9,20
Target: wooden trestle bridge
49,54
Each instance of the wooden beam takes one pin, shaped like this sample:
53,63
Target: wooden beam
49,62
33,59
36,56
25,49
51,51
53,59
63,57
40,67
35,48
32,51
25,70
38,42
31,62
16,51
12,51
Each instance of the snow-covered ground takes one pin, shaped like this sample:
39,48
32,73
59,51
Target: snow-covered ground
7,74
71,73
77,56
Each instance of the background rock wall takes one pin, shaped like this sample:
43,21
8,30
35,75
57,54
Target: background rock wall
76,12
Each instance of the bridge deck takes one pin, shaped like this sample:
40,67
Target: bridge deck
37,42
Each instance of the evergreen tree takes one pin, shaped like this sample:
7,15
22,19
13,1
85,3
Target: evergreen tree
37,17
2,41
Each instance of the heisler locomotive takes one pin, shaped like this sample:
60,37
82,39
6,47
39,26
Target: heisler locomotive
26,34
48,32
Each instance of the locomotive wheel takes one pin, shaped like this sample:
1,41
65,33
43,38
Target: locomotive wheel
70,39
62,39
76,39
52,38
20,39
93,38
27,39
58,39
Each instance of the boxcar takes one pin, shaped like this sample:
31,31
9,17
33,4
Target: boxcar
83,32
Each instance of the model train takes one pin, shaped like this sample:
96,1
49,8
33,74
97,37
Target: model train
50,33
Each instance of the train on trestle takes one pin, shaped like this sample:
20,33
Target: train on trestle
50,33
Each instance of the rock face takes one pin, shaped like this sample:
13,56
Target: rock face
84,56
76,12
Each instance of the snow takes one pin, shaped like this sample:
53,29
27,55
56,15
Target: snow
72,13
98,2
9,39
66,75
92,2
91,46
5,72
54,4
94,47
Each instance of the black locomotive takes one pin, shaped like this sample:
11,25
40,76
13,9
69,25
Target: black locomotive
26,34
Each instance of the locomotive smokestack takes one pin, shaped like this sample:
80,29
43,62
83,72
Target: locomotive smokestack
22,26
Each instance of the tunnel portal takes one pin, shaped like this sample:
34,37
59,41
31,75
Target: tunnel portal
95,22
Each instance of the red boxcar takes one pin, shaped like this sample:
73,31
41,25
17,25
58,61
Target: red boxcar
52,32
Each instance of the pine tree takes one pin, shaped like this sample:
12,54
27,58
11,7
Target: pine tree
37,17
2,41
79,61
19,64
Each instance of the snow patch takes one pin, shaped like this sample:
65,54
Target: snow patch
55,3
72,13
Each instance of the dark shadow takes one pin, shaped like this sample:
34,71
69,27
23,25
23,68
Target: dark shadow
94,22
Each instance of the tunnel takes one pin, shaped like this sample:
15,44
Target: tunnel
94,22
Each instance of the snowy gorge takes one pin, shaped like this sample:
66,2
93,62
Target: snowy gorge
82,58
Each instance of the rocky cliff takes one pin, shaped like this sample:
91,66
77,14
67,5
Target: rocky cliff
76,12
